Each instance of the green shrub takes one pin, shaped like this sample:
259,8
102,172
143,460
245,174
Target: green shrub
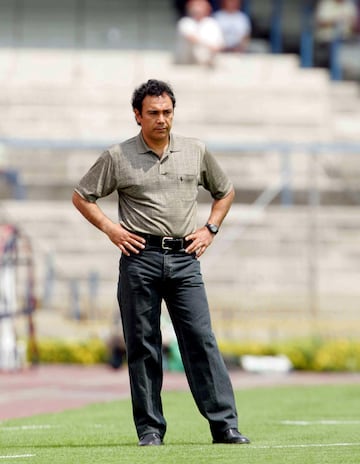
314,354
338,355
92,351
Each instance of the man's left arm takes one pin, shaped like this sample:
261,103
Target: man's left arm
202,237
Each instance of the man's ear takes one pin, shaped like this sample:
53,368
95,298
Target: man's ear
137,116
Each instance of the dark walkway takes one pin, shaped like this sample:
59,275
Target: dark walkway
56,388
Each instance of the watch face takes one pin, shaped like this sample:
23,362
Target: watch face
213,228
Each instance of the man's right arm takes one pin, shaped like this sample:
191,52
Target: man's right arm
122,238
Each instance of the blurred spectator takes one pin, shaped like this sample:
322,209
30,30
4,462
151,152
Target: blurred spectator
235,26
180,6
333,19
199,36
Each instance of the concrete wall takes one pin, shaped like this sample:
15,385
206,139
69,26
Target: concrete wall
87,24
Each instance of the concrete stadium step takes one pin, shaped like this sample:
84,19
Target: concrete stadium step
52,174
345,110
266,85
345,96
271,96
81,72
271,99
267,253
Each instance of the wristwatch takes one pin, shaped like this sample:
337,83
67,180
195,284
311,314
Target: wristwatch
212,228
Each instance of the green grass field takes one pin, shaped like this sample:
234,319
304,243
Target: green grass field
296,425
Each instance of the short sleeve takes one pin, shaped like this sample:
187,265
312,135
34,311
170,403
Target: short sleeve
100,180
213,178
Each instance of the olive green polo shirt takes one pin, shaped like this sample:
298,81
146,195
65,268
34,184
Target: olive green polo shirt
156,196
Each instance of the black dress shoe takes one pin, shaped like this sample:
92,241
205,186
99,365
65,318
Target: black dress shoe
231,437
150,439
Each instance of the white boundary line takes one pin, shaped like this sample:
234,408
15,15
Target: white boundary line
285,422
18,456
11,428
320,422
16,428
309,445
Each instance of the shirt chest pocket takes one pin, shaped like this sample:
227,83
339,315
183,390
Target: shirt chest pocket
185,186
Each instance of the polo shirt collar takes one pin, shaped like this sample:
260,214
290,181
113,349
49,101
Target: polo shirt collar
142,147
173,144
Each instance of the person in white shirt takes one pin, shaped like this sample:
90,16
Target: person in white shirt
235,26
199,37
333,19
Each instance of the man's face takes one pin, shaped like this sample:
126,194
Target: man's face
155,118
231,5
199,9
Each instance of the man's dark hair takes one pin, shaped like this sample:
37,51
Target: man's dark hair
154,88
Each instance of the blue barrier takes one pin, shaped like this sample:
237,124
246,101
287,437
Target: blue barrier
335,67
276,27
307,36
246,7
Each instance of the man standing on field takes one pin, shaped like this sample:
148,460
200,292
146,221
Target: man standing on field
157,175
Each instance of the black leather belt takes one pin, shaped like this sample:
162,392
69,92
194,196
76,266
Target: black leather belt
165,243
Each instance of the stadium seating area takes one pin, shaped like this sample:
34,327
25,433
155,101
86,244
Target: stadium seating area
278,268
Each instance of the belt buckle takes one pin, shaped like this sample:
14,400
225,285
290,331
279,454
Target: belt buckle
163,240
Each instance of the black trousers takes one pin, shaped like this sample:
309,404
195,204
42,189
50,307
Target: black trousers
175,277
